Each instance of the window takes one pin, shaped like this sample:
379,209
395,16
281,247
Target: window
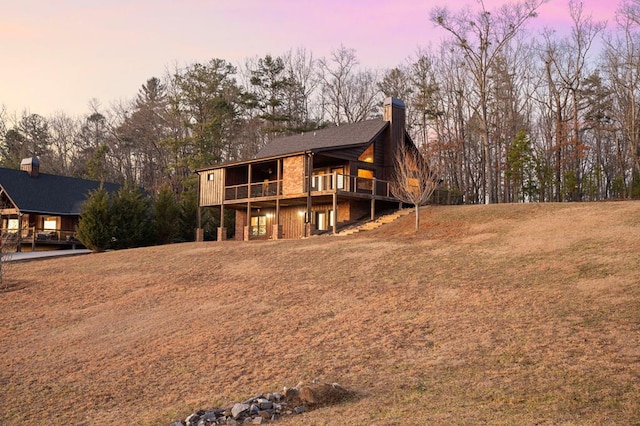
12,225
321,221
324,220
365,179
367,155
339,172
259,226
317,181
50,223
210,176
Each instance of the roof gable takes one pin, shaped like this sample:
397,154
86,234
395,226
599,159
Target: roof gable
48,194
346,135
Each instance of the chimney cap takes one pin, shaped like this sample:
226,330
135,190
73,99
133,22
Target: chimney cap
394,102
30,161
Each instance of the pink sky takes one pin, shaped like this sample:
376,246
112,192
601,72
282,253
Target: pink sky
57,55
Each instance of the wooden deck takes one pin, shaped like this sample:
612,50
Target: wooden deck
33,238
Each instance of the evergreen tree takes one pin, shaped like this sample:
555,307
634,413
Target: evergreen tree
520,168
188,211
130,218
166,216
95,230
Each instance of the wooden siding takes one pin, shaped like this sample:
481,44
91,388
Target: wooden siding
212,189
293,175
292,218
292,222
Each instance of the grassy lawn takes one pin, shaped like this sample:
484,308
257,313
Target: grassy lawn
502,314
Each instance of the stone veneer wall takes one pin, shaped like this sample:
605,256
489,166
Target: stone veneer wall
293,175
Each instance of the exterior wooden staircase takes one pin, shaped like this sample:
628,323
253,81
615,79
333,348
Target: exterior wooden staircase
374,224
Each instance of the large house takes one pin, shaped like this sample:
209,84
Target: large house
41,208
309,183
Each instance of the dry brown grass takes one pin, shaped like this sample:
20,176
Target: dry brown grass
506,314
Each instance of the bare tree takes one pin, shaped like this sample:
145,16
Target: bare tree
7,248
621,66
482,37
348,95
414,181
8,243
335,75
302,70
63,147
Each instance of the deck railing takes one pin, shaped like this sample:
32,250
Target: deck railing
322,182
269,188
38,235
350,183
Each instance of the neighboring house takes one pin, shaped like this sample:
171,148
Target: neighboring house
309,183
40,208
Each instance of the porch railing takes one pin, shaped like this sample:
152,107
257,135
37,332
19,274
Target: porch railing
269,188
33,234
322,182
350,183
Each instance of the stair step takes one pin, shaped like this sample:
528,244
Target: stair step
369,226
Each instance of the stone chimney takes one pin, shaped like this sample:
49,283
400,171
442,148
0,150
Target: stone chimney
31,165
394,113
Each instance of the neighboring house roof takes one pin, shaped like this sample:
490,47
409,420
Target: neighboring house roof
48,194
358,133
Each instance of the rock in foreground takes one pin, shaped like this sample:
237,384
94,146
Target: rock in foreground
268,407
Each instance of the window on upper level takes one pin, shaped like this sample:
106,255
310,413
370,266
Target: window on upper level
367,155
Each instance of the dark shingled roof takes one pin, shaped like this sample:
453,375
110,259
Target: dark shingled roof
48,194
358,133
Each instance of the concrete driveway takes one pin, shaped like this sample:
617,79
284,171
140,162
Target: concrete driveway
32,255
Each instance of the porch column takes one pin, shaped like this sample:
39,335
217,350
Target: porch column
276,232
19,245
247,226
222,230
199,230
373,199
307,226
278,189
335,201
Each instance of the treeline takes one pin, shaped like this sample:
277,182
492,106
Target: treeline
508,115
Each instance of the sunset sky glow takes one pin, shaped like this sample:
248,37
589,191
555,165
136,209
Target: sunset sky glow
58,55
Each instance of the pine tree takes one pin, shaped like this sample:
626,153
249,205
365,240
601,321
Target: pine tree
130,218
166,216
95,230
520,168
